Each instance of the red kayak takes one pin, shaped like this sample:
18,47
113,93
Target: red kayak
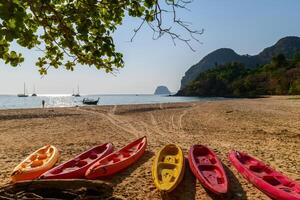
208,169
118,160
77,167
266,179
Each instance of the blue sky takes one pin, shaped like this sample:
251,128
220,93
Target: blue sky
247,26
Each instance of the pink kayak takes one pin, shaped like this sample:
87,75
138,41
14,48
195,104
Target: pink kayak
208,169
76,167
266,179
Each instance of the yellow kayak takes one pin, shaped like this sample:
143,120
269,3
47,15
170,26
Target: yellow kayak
168,168
36,164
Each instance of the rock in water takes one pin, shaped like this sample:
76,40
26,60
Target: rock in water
162,90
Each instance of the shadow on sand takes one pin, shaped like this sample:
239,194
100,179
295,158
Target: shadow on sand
58,189
186,190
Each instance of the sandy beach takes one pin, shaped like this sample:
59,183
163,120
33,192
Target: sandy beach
267,128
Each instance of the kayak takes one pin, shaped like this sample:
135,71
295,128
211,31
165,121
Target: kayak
208,169
118,160
36,164
266,179
76,167
168,168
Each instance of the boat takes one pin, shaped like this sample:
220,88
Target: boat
117,161
36,164
90,101
33,94
76,167
77,94
24,93
168,168
271,182
208,169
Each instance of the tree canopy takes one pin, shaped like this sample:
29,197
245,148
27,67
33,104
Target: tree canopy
80,31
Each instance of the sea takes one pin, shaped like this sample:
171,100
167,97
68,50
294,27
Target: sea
65,100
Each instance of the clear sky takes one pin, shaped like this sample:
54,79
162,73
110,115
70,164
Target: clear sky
247,26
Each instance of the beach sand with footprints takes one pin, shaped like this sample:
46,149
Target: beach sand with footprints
267,128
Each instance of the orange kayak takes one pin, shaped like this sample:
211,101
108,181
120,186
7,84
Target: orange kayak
36,164
118,160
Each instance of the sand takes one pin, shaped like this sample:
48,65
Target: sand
268,128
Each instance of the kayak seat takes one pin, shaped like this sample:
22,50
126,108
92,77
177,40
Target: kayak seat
115,159
81,163
93,156
42,151
51,150
36,163
286,189
285,181
42,157
201,152
206,161
166,172
256,168
271,180
260,169
125,154
169,159
33,157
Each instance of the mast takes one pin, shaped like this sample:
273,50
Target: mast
24,88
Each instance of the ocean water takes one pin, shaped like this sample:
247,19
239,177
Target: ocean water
14,102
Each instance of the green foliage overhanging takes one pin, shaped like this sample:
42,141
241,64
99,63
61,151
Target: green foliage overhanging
74,31
280,77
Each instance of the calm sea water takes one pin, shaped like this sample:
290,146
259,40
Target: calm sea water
12,101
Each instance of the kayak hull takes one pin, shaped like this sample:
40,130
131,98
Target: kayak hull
36,164
208,169
266,179
168,168
76,167
117,161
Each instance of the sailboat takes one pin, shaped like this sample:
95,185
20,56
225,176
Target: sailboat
34,94
24,94
76,95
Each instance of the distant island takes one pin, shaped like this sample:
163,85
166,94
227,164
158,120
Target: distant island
275,71
162,90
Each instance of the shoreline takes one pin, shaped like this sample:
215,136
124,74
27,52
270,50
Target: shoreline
69,101
202,99
267,128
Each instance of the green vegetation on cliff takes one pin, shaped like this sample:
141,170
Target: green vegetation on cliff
279,77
